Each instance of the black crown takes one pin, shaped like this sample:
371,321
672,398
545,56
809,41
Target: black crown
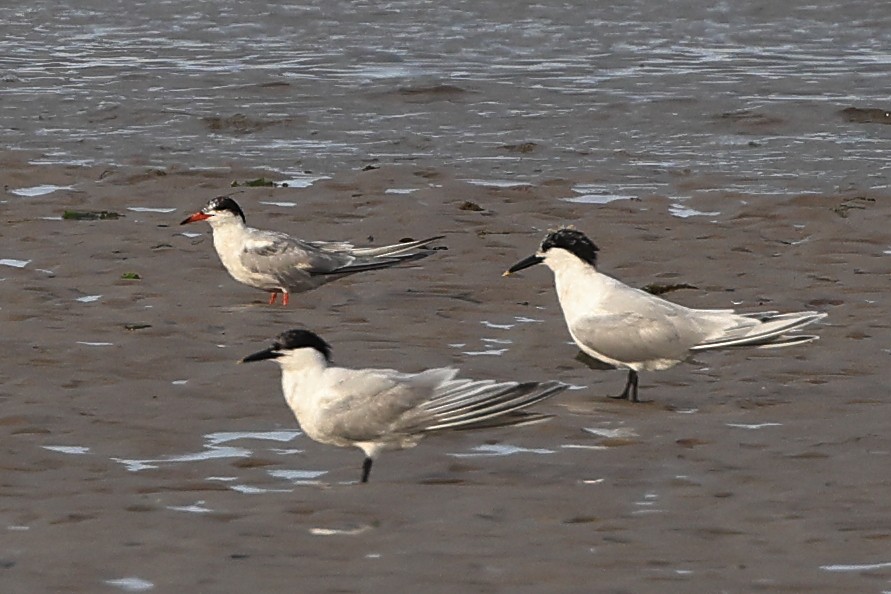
302,339
224,203
572,241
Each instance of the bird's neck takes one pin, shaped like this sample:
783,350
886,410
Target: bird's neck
228,234
579,287
228,227
302,375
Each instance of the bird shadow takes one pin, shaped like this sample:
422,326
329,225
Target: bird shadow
592,363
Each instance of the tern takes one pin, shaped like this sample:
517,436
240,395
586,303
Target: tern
383,409
632,329
278,263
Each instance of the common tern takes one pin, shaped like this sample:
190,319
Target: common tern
278,263
632,329
382,409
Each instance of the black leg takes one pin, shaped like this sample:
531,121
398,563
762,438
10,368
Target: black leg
366,469
630,391
632,380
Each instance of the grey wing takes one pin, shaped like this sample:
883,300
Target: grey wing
633,337
332,246
373,403
281,255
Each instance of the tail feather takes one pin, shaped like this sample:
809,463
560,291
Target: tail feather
376,264
517,418
791,340
392,250
503,398
492,404
765,330
459,393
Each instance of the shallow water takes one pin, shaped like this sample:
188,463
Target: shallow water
637,94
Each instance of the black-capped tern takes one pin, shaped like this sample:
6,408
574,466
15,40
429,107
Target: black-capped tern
278,263
630,328
382,409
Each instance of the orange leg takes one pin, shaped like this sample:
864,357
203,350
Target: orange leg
272,297
285,298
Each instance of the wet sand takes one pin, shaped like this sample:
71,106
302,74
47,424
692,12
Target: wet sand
744,471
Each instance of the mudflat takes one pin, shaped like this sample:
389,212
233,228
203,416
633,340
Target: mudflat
139,456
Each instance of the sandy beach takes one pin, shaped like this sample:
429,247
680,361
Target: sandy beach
138,455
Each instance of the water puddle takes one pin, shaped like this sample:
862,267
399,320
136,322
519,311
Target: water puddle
38,190
497,183
617,433
227,436
131,584
299,477
286,451
400,191
211,453
864,567
196,508
525,320
76,450
495,326
753,426
249,490
490,450
89,298
598,198
684,212
340,531
279,204
213,449
599,194
95,344
648,500
14,263
486,353
300,180
508,326
599,481
150,209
